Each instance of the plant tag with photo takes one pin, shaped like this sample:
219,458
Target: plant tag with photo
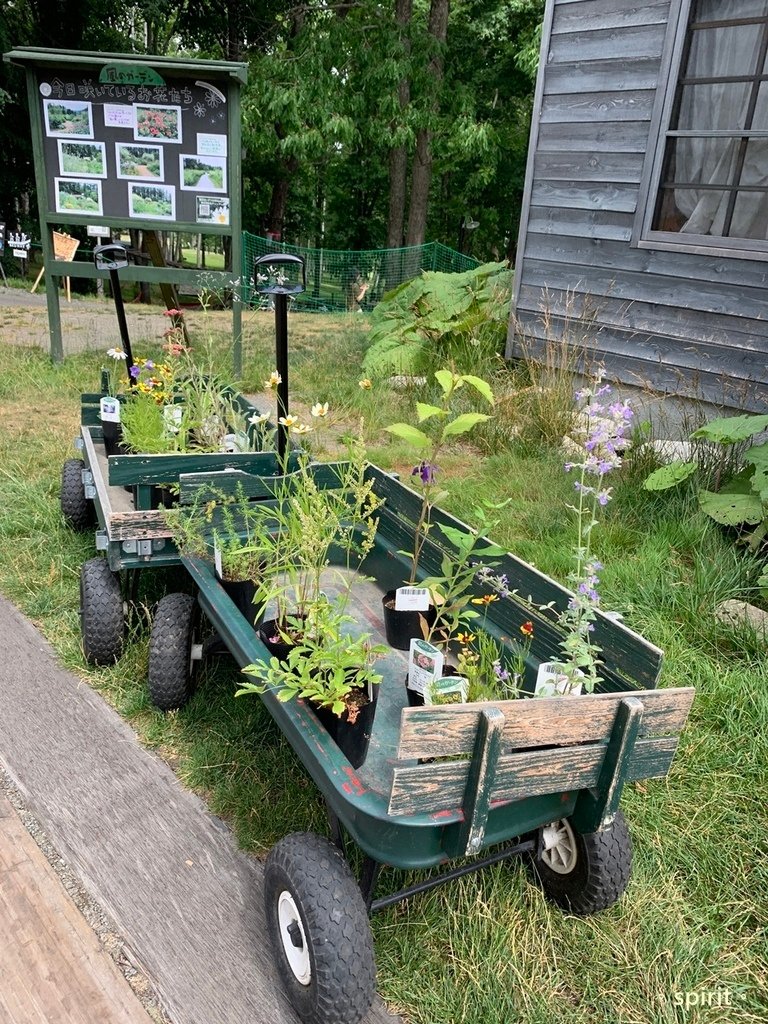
447,690
412,599
425,665
109,409
217,559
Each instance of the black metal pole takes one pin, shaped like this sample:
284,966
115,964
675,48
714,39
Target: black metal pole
281,361
121,321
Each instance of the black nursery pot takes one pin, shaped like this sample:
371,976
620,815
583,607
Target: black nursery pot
277,648
415,699
402,627
113,436
242,593
351,739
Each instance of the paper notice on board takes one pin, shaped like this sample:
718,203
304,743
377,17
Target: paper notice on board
119,115
211,145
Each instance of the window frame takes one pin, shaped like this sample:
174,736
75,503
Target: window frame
643,235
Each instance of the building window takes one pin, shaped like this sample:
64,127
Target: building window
712,165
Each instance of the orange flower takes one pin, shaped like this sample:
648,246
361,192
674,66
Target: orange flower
485,599
527,629
465,638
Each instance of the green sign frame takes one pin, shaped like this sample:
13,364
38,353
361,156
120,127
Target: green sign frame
130,86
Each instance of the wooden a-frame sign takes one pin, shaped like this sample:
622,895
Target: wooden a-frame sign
136,141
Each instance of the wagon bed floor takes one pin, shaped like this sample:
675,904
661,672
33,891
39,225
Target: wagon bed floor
185,900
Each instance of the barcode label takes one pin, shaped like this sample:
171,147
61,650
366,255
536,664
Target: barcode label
411,599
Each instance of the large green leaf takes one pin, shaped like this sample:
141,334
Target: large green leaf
425,411
410,434
390,355
664,477
464,423
480,385
731,509
731,429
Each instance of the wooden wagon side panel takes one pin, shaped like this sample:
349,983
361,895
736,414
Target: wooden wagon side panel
684,322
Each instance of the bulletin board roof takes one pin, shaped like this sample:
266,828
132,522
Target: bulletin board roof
38,56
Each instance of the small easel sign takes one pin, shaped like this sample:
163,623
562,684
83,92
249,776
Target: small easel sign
64,249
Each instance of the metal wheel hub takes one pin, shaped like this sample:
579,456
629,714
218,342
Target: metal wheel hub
293,938
559,852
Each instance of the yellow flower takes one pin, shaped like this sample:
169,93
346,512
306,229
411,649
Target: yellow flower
274,380
485,599
288,421
365,384
319,409
301,429
465,638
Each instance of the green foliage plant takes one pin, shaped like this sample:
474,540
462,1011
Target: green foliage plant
146,428
328,667
438,317
444,427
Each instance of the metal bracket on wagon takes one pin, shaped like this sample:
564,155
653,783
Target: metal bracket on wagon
143,548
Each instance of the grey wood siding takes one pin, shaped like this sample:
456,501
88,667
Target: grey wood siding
683,323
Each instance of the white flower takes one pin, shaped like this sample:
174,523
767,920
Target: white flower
288,421
274,380
117,353
319,409
258,419
301,429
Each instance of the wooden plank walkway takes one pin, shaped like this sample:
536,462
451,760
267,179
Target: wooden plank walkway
186,901
53,969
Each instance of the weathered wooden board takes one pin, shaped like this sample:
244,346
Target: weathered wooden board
447,731
577,195
588,166
618,42
592,15
616,105
439,787
603,75
549,220
53,969
603,136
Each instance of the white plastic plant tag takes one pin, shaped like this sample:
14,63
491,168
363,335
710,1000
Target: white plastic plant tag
109,409
411,599
172,417
217,559
425,665
447,690
552,681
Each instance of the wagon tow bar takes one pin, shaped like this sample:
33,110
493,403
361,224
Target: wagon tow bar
113,257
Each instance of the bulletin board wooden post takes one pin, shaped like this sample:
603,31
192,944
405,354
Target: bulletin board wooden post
136,141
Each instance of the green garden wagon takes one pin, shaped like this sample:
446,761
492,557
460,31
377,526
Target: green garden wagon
455,787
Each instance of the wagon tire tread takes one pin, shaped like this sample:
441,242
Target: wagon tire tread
171,679
102,617
336,925
78,512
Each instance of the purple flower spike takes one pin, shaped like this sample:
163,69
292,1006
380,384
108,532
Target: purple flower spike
134,372
149,365
425,471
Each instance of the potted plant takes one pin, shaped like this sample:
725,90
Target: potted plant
333,671
109,406
407,611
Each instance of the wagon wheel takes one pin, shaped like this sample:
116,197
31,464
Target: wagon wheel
77,510
318,925
584,873
174,651
102,615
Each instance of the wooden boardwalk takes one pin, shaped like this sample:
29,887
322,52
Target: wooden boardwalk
53,969
186,901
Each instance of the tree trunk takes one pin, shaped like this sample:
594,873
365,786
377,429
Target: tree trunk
398,155
280,190
421,174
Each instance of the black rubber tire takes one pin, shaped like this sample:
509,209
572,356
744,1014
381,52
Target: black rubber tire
600,874
171,672
77,510
342,981
102,619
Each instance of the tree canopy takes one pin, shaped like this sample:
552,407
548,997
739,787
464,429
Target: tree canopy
365,124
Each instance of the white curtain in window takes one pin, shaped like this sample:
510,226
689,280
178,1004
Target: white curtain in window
720,52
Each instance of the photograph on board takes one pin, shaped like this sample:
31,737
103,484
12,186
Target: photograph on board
82,159
157,124
75,196
152,202
203,173
68,119
212,209
140,163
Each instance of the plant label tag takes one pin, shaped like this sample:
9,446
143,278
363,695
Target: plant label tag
412,599
425,665
217,559
447,690
109,409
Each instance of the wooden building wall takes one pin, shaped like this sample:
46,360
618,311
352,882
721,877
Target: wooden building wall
682,323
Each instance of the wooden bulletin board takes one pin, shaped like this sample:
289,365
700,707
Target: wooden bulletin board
135,142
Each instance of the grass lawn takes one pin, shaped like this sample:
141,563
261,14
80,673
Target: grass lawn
488,949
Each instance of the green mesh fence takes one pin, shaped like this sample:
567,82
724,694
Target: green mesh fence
349,279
